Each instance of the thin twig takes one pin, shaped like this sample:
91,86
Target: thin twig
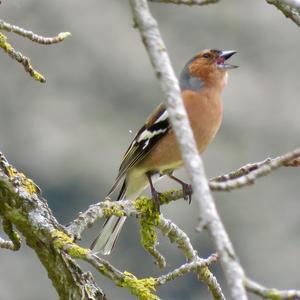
178,117
32,36
97,211
187,268
19,57
187,2
15,240
7,244
175,234
249,173
288,9
104,267
270,293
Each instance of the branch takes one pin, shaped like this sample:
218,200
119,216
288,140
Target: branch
7,244
273,294
246,175
175,234
144,208
178,117
18,56
192,266
15,240
141,288
22,205
106,208
187,2
104,267
290,8
235,179
32,36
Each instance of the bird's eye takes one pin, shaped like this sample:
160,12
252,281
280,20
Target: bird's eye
206,55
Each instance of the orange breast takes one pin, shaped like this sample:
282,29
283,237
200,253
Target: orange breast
204,109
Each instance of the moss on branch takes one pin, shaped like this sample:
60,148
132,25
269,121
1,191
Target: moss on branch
142,288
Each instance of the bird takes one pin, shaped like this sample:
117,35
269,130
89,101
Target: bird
154,151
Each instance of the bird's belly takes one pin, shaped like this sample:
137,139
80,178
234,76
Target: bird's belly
205,121
163,156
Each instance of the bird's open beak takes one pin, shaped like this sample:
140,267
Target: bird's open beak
223,57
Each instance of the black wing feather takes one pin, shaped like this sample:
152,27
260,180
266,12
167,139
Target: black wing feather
139,148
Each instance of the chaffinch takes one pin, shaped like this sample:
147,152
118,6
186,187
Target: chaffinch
154,152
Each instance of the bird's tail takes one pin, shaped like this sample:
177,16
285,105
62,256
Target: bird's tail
107,238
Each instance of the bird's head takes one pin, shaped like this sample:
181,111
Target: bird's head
208,67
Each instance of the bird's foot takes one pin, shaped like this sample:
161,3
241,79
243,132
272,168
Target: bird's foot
187,192
155,194
186,188
156,198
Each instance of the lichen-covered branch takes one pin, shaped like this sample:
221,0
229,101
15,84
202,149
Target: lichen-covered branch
119,208
7,244
142,288
22,206
156,49
15,240
187,2
149,219
18,56
271,293
247,175
146,286
290,8
188,267
235,179
175,234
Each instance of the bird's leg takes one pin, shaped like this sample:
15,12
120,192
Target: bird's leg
186,188
155,194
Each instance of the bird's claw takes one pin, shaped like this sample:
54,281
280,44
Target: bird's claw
156,198
187,192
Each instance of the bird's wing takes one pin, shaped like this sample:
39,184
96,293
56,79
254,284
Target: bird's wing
156,126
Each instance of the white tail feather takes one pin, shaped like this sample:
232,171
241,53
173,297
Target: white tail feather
108,236
131,189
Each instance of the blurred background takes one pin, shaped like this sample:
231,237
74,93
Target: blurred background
69,134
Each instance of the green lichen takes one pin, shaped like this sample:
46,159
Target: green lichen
64,35
142,288
63,241
8,48
4,44
274,295
146,207
113,210
27,183
37,76
169,196
12,234
149,218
